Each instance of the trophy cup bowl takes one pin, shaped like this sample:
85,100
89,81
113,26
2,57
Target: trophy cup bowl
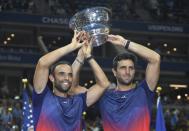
95,21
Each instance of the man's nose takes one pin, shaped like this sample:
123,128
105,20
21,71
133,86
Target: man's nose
66,77
127,71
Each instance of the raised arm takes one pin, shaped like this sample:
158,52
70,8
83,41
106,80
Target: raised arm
102,83
44,63
76,67
153,58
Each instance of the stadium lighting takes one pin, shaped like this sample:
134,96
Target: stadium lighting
12,35
24,80
179,97
174,49
5,42
178,85
8,38
168,52
85,84
165,45
148,44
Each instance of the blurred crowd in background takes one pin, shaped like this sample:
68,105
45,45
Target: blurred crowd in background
170,11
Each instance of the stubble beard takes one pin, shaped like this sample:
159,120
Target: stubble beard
125,82
62,88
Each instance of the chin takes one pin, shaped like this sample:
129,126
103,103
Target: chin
127,82
63,89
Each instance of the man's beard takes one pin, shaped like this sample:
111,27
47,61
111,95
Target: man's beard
61,88
122,82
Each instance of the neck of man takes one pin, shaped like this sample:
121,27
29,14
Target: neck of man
123,87
58,93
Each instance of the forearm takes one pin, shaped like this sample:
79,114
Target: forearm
100,76
50,58
153,66
144,52
76,67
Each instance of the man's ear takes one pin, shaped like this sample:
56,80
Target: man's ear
114,72
51,77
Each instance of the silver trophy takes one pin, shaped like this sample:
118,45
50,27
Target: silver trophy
95,21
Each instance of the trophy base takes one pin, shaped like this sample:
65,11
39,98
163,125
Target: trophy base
99,36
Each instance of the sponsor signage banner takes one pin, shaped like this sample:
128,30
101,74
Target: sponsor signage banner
63,21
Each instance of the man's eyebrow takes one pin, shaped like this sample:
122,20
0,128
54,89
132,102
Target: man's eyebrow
126,66
62,72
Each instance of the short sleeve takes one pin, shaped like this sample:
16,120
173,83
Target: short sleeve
150,94
146,88
37,101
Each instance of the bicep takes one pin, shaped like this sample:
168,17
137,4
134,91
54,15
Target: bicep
152,75
40,78
93,94
77,90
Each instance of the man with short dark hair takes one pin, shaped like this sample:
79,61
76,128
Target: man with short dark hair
57,110
128,106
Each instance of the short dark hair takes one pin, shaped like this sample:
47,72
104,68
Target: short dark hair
124,56
52,68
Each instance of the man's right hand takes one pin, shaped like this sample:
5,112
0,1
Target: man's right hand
78,39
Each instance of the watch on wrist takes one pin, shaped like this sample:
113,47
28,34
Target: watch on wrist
126,44
89,58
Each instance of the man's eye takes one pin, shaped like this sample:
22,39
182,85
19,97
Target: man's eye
62,73
70,74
